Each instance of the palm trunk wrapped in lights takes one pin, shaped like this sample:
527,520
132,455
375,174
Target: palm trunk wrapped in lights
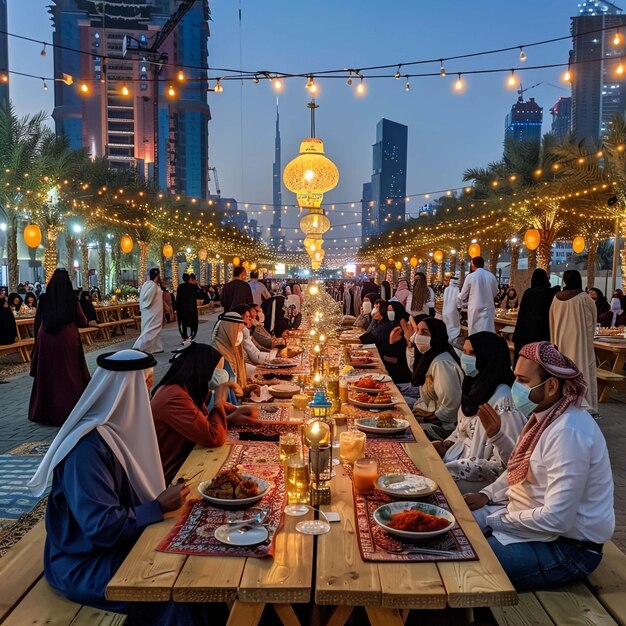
453,265
84,267
102,265
532,260
203,272
592,253
494,254
175,274
70,248
14,273
142,271
544,254
190,257
51,252
115,272
429,271
462,271
514,264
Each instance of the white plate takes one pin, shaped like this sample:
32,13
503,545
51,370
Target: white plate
406,485
251,537
280,365
284,390
363,365
368,425
383,378
383,514
364,390
263,487
371,405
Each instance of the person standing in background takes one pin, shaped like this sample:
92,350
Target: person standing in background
478,293
151,306
259,290
237,291
450,312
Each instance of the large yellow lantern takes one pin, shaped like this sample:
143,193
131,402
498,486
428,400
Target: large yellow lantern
473,250
398,265
253,266
437,256
314,224
126,244
532,238
413,261
236,261
578,245
315,265
203,254
32,235
310,174
382,267
168,251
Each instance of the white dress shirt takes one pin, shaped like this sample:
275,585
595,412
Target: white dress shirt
252,354
478,293
568,491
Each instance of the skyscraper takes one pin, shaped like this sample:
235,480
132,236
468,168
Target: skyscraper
561,117
276,237
524,121
389,175
114,117
368,222
4,54
598,92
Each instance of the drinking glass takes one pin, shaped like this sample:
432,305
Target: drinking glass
288,444
351,446
365,474
297,484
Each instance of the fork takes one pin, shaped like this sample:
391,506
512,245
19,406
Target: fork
433,551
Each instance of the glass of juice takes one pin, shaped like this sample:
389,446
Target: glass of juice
297,484
365,474
351,446
288,444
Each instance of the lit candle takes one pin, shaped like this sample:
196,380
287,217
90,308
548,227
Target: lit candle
317,349
312,332
322,338
317,431
317,379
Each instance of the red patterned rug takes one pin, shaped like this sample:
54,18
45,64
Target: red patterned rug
354,413
274,420
375,543
194,531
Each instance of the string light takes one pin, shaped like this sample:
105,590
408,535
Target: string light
567,76
277,84
397,74
43,51
349,81
218,86
45,85
442,70
84,88
171,92
408,84
311,85
522,54
620,69
125,90
617,39
458,85
360,88
512,81
180,76
255,80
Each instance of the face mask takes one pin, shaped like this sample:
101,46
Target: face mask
391,316
422,343
239,339
219,376
468,364
375,311
367,308
521,398
260,317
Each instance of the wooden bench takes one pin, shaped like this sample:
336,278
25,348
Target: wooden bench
598,601
86,334
27,598
607,380
205,308
108,328
23,347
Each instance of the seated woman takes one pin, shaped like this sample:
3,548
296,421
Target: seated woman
30,300
260,336
600,300
252,355
107,486
364,320
438,376
474,455
510,300
16,302
88,309
614,317
381,326
179,407
95,295
276,316
8,327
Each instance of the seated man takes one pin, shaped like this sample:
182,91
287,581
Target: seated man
550,512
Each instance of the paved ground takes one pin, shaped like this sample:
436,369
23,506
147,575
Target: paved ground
15,427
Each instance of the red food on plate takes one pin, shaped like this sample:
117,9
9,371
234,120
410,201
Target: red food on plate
361,360
415,521
369,382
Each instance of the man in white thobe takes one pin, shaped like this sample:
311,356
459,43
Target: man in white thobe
478,293
450,312
151,306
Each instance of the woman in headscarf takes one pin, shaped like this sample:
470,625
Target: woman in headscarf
88,308
533,318
614,317
95,295
276,321
381,328
385,290
179,407
30,300
107,486
16,302
297,291
422,298
364,320
510,299
58,361
402,291
439,377
602,304
291,299
8,327
473,458
573,318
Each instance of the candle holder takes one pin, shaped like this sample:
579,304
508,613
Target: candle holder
318,438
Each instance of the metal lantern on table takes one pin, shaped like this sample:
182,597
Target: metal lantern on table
318,438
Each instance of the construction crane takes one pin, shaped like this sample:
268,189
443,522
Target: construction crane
521,91
217,182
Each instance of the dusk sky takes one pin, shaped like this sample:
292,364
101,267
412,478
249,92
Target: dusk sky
447,132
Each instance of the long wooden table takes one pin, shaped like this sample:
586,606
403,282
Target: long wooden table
342,578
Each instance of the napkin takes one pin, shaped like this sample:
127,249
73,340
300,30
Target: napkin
264,395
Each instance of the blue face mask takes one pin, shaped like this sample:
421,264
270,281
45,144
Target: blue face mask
468,364
521,398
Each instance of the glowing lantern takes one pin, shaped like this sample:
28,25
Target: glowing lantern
253,266
578,245
203,254
398,265
32,235
532,238
382,267
314,224
473,250
413,261
126,244
236,261
437,256
315,265
168,251
390,262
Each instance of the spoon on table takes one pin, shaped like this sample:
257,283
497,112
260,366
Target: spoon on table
256,520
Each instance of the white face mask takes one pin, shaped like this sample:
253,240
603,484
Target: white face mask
422,343
239,339
367,307
219,376
375,310
391,315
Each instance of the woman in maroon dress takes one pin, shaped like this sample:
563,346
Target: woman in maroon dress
58,364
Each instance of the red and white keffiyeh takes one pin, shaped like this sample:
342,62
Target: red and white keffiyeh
574,390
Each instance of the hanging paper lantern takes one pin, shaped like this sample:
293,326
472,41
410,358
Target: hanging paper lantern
578,245
437,256
168,251
382,267
398,265
126,244
473,250
32,235
413,261
203,254
315,265
253,266
532,238
236,261
390,262
314,224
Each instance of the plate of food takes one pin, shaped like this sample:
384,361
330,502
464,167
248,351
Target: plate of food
383,424
284,390
414,520
406,486
362,361
232,488
250,536
382,400
280,362
360,352
368,384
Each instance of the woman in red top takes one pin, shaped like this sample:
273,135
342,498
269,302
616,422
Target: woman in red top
179,407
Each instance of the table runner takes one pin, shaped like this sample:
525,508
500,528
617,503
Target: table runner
375,544
271,424
194,531
354,413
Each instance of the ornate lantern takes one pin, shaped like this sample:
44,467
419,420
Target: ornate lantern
318,438
32,235
126,244
314,224
390,262
382,267
168,251
578,245
473,250
236,261
203,254
413,261
398,265
532,238
438,256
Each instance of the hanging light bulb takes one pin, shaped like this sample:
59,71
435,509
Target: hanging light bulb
349,81
255,80
511,81
567,76
522,54
397,74
277,84
171,92
311,85
360,88
43,51
180,76
620,69
617,39
45,86
84,88
408,84
442,71
125,90
218,86
458,85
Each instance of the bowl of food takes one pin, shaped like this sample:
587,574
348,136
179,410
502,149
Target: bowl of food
284,390
368,384
383,424
230,488
405,485
362,361
414,520
279,362
382,400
